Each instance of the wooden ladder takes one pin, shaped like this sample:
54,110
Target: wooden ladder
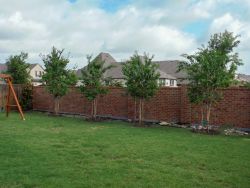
7,78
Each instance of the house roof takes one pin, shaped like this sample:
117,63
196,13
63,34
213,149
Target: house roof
116,70
108,60
106,57
165,75
244,77
171,67
31,66
3,67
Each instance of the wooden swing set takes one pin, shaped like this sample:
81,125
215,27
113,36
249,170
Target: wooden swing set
11,90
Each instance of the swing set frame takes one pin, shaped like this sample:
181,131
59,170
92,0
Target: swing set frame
11,90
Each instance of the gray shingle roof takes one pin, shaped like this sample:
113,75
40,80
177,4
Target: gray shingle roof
31,66
167,69
165,75
244,77
107,58
115,72
171,67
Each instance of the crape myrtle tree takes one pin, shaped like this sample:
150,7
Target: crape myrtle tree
93,82
210,69
141,79
57,77
18,68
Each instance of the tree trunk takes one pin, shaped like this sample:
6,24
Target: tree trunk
56,105
134,110
202,115
92,109
208,114
95,108
139,111
142,111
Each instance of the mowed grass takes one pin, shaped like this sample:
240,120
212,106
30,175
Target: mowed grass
46,151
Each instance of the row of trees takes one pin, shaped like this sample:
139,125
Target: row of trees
211,68
140,75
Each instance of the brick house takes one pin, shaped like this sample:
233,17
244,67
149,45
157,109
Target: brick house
166,79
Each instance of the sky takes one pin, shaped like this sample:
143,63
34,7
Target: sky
163,28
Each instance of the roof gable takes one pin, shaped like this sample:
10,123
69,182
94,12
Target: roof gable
107,58
32,66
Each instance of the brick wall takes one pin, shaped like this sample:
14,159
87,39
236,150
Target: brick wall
169,104
115,103
233,109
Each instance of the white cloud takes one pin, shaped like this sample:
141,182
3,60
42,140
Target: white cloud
35,29
15,27
163,41
203,9
228,22
153,26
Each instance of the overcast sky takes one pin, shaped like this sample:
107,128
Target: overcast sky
165,28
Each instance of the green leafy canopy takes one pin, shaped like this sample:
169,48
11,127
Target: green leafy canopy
141,76
212,67
18,68
57,78
93,80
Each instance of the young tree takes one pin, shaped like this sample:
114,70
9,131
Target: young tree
93,82
141,79
57,78
211,68
19,71
18,68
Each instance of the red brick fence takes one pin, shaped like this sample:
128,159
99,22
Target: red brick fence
169,104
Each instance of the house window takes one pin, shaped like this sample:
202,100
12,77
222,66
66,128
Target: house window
162,81
36,73
171,82
40,73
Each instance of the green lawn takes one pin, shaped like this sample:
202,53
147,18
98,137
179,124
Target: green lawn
66,152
